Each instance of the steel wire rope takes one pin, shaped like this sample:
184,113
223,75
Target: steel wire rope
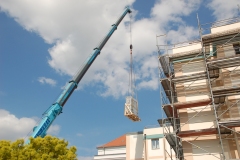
132,84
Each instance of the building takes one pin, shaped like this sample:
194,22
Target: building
147,145
201,93
115,149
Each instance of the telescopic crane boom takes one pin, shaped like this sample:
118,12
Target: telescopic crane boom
53,111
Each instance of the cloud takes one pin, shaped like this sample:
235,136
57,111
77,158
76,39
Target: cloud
74,34
182,34
166,11
223,9
79,134
45,80
13,128
54,129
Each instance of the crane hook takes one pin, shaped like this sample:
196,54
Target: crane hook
131,46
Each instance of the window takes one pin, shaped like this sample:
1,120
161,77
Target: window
155,143
236,48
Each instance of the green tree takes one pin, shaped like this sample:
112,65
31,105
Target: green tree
5,150
47,148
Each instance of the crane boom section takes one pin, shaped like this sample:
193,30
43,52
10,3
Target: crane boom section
53,111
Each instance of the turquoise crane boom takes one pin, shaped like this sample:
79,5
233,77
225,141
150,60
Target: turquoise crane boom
53,111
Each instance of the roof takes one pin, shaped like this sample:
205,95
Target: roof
120,141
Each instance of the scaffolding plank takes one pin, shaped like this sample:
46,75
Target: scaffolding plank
225,91
169,111
169,90
191,104
230,122
224,62
164,61
200,132
190,77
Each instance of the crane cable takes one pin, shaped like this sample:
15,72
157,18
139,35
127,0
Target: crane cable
131,73
131,63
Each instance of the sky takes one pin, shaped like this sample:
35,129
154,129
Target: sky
43,43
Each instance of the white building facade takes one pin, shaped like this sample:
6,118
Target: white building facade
113,150
147,145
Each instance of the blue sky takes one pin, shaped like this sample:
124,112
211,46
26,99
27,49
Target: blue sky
42,44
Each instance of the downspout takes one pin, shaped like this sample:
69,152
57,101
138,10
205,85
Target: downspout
145,147
164,147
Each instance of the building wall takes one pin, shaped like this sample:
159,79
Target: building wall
111,157
111,153
191,91
159,153
112,150
135,146
150,134
139,145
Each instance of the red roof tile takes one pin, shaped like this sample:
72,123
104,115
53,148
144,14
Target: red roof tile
120,141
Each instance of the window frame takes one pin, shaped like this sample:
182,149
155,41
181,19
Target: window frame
236,47
155,143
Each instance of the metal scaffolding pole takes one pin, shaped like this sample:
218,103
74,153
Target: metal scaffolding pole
211,92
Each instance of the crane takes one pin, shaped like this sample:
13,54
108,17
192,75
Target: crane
56,108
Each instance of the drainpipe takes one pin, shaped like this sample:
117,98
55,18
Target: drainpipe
164,148
145,147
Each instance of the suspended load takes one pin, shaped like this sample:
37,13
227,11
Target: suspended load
131,109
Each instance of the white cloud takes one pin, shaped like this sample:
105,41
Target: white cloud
53,129
13,128
45,80
183,34
79,134
166,11
224,9
75,28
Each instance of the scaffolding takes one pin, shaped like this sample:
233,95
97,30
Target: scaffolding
200,93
